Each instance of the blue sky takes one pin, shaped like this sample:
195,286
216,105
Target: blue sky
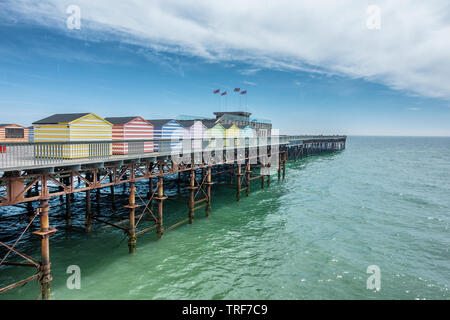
112,71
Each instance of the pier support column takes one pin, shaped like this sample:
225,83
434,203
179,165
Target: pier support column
68,212
191,189
249,176
132,228
280,160
45,232
160,198
88,220
238,182
284,164
263,166
209,183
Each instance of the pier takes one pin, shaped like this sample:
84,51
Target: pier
39,171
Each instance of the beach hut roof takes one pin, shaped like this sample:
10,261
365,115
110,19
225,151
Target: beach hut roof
209,123
186,123
160,122
228,125
121,120
61,118
4,125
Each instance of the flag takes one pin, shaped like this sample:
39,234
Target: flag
237,89
216,91
224,93
244,92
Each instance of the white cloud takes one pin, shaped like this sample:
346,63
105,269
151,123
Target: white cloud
410,52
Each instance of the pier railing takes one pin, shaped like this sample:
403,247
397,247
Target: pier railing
26,155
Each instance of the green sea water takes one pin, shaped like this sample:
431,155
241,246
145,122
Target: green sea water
383,201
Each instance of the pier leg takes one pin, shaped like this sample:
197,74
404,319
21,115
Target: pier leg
249,176
284,164
132,228
192,189
238,183
279,165
68,212
208,191
262,175
88,221
45,232
160,198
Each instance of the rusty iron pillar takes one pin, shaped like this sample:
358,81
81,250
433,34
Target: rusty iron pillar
280,164
44,233
88,220
238,182
209,183
249,176
160,199
191,189
132,207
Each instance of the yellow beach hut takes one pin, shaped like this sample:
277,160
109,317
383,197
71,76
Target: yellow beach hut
231,131
73,127
213,131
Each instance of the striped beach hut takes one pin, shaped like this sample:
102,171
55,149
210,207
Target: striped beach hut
30,134
247,132
231,131
194,129
73,127
12,133
214,130
131,128
167,129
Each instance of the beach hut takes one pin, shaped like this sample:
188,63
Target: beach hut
214,130
247,132
167,129
194,129
131,128
12,133
30,134
231,131
73,127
